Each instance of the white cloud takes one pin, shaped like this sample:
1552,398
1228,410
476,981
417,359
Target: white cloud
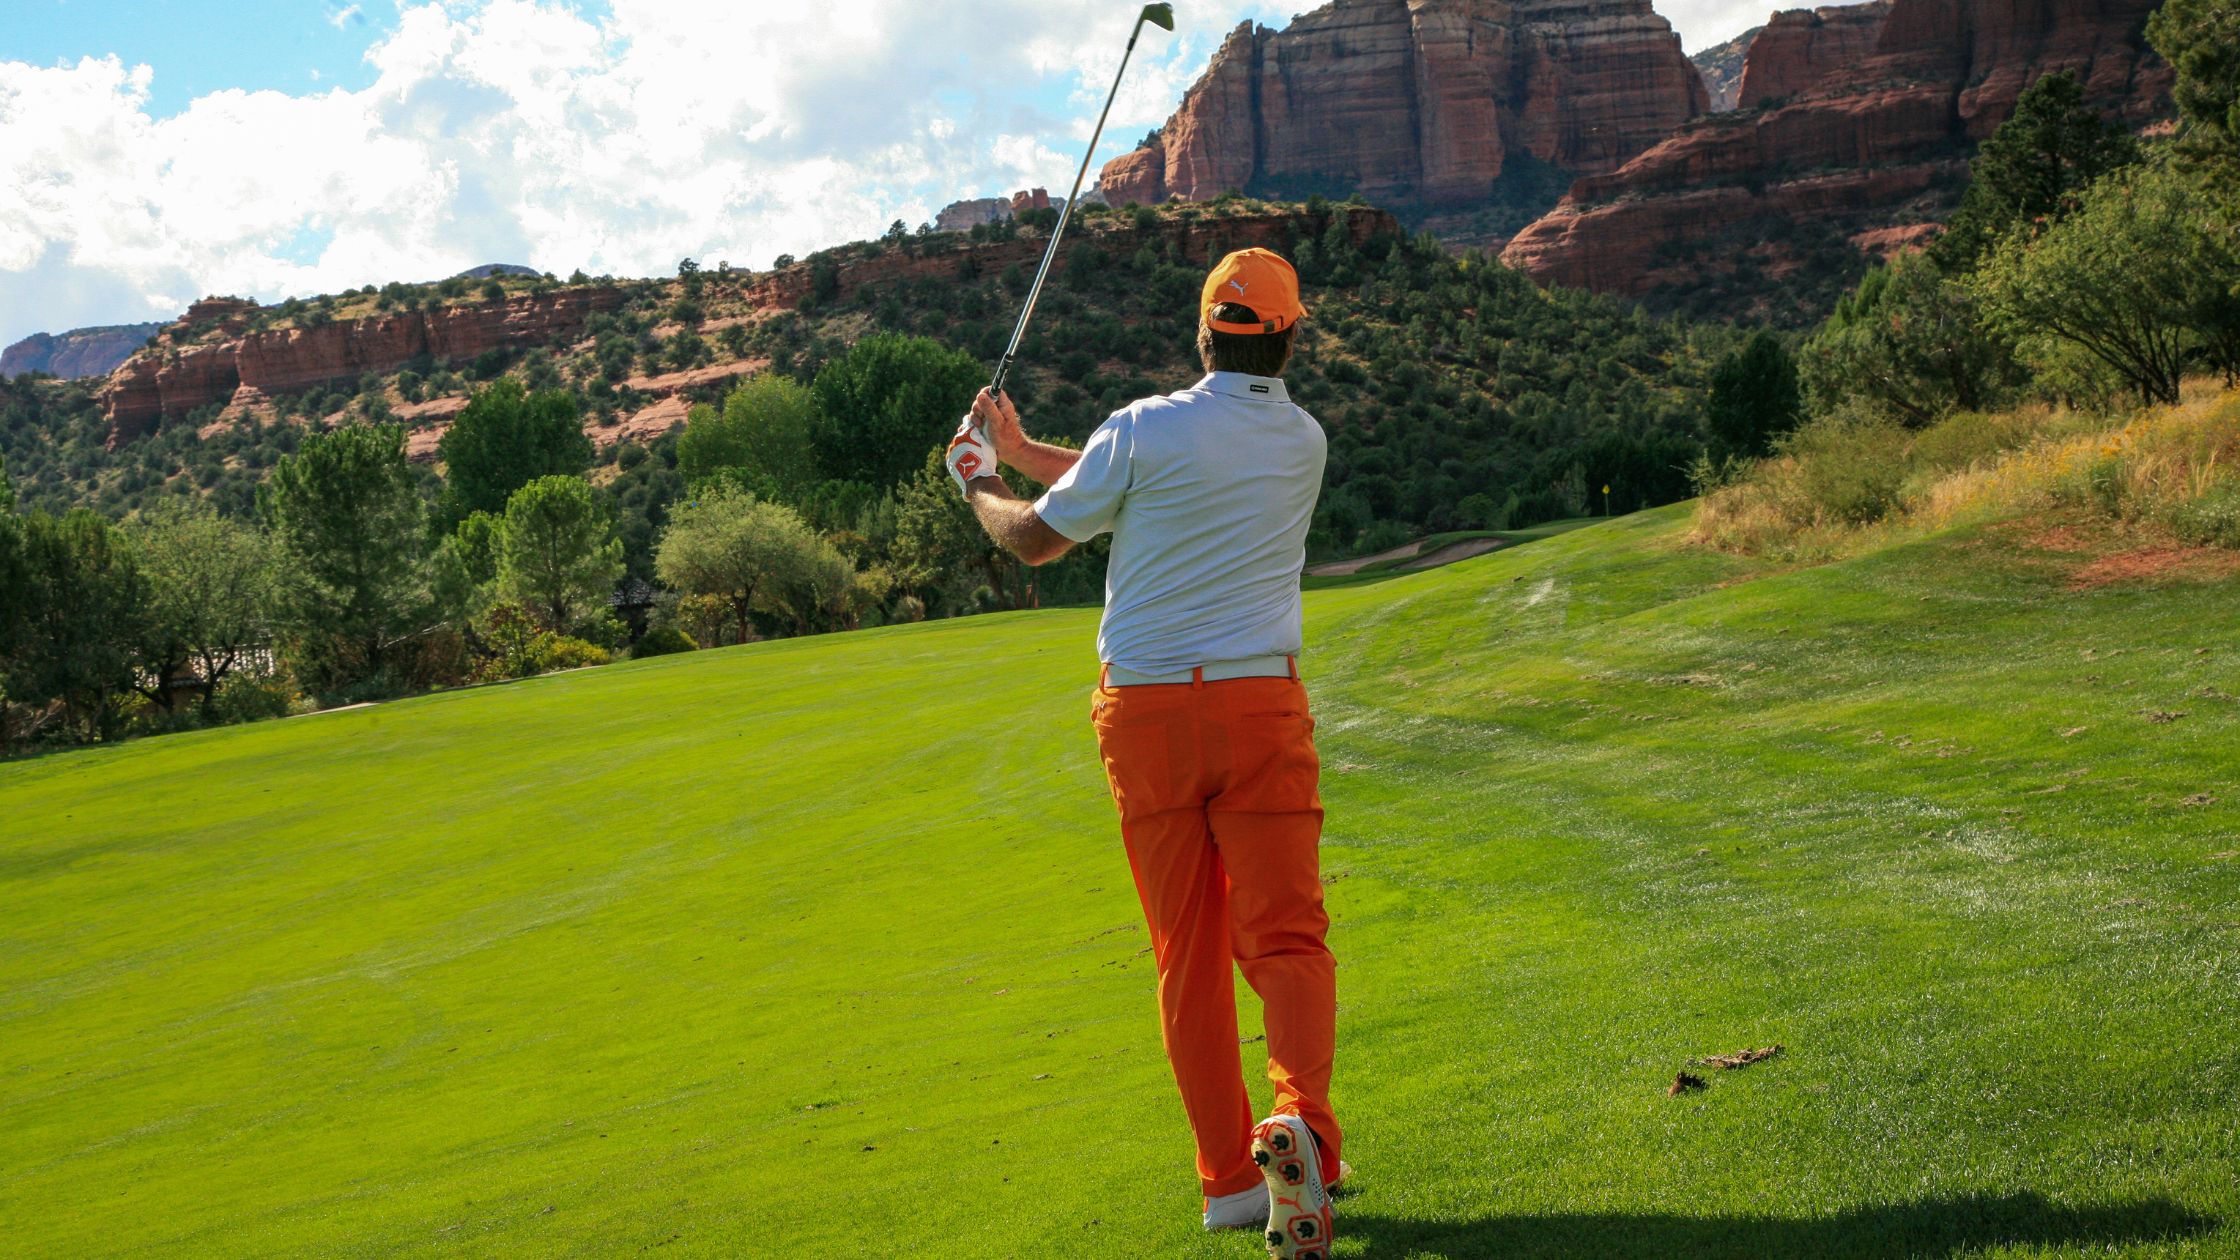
526,131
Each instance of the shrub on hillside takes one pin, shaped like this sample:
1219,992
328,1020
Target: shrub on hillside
254,697
2213,520
663,641
2174,470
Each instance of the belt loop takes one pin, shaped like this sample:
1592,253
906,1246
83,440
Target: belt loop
1294,662
1197,678
1104,676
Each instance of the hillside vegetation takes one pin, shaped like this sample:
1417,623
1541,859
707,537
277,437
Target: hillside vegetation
696,955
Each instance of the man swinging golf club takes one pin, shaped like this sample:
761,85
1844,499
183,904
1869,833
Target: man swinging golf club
1203,723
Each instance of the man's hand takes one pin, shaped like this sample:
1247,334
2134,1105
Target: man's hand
1000,421
970,455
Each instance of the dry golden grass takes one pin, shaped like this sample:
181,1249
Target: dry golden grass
1843,485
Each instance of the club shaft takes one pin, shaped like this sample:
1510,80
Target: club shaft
1065,213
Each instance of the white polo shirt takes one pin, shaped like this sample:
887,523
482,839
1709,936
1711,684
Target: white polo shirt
1208,494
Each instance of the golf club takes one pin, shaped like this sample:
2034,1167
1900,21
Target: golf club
1161,16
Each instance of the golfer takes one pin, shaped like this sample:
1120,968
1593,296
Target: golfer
1203,722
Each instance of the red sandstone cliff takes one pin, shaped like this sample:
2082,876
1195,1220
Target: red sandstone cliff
1798,49
188,368
1421,102
211,355
1864,141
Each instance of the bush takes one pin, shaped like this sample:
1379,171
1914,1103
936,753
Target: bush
1847,469
2212,520
254,697
665,641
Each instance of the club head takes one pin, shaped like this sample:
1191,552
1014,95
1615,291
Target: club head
1159,15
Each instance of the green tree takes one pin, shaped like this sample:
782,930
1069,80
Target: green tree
939,546
348,521
2125,279
730,545
887,401
83,602
556,551
505,439
1753,397
1912,343
211,594
2201,40
761,438
14,594
463,572
2033,167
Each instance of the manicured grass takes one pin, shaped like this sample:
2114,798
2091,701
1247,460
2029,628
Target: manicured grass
828,948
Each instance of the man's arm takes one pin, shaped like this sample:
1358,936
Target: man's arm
1012,522
1038,460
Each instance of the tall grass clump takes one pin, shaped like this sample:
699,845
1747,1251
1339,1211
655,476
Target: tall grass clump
1847,481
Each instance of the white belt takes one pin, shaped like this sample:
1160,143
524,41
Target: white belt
1211,671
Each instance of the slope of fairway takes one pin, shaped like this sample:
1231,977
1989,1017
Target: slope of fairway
827,947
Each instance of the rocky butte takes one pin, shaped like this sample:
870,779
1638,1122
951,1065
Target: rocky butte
1853,121
79,352
1418,103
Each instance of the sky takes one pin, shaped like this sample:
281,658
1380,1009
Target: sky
156,151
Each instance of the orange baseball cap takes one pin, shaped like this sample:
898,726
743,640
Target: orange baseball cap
1257,278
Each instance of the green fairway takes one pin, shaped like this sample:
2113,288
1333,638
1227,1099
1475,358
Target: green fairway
828,948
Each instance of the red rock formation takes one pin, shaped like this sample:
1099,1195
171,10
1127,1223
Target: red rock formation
1032,199
1419,101
1888,130
1798,49
181,373
79,352
174,378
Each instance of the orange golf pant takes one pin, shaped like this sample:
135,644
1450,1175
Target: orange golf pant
1221,813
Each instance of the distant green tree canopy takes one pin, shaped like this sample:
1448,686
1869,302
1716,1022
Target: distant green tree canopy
556,552
1754,397
211,591
348,520
80,597
505,438
2033,167
2141,278
764,437
884,402
1913,344
2201,40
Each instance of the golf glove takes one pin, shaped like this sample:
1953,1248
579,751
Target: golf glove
970,454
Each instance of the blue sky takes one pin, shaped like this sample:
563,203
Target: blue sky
154,152
287,45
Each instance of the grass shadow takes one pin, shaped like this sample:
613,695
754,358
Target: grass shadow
1899,1231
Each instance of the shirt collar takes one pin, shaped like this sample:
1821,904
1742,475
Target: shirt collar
1246,386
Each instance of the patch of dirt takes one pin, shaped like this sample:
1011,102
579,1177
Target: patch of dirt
1347,568
1685,1082
1740,1058
2066,539
2154,564
1454,551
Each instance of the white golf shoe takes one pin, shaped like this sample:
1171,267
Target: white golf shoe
1298,1199
1245,1209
